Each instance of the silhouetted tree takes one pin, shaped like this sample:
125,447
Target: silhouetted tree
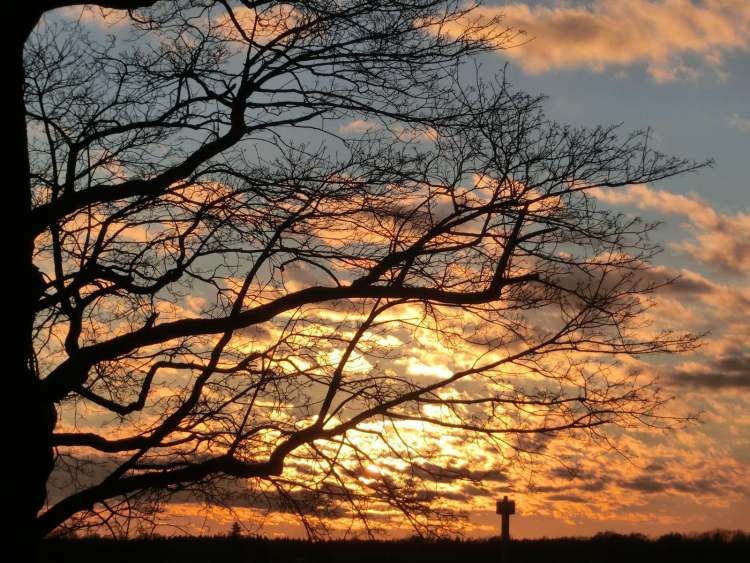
241,218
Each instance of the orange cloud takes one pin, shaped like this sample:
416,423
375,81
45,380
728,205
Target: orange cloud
657,33
358,126
95,15
718,239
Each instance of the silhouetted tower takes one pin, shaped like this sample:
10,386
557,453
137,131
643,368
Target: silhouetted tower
505,508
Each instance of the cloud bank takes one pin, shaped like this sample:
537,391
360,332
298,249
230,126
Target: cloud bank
672,38
718,239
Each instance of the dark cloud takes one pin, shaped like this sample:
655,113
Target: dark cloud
455,495
728,370
645,484
712,380
542,489
669,482
475,491
594,486
656,466
679,283
564,472
690,285
495,475
577,480
700,486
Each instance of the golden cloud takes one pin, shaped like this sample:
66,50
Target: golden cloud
718,239
660,34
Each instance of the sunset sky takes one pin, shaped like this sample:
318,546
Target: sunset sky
682,68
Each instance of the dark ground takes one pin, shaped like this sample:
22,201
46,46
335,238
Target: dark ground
719,547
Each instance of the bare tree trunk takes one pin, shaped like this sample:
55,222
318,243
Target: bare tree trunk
31,417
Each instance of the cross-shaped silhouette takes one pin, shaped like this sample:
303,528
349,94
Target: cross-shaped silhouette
505,508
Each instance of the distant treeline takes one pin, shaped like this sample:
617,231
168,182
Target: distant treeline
719,546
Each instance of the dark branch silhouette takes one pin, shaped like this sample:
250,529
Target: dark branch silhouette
240,215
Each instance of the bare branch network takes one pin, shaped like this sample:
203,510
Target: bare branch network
255,221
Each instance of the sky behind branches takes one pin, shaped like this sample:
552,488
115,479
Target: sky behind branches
682,68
